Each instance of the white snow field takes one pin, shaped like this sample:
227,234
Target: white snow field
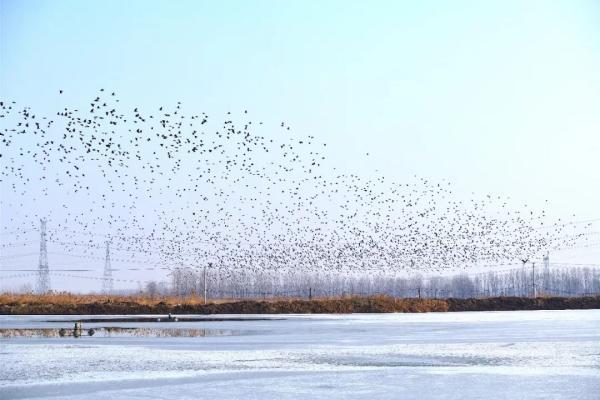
476,355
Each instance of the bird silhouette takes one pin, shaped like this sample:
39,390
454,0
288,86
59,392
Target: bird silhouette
187,188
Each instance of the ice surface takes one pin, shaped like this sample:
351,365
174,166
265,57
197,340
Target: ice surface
497,355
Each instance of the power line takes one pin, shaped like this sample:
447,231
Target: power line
16,244
53,269
14,276
18,255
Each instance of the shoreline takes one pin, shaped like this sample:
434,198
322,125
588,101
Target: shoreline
98,305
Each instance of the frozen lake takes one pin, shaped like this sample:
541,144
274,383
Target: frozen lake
477,355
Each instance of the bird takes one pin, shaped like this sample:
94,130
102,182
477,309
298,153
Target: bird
185,188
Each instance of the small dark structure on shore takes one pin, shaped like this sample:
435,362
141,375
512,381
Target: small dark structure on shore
77,331
171,318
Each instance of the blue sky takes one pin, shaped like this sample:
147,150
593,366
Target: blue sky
496,96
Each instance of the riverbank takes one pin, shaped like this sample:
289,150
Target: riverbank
69,304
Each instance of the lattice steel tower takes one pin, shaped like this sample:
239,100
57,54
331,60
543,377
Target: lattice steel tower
107,282
43,284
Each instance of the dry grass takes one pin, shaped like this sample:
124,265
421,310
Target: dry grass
68,303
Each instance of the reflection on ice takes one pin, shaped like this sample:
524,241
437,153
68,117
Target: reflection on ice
114,332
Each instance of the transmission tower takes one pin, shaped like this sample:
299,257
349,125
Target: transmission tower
43,284
107,282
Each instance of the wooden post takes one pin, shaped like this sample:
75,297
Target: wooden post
77,329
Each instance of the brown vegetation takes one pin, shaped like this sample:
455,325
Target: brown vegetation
69,304
524,303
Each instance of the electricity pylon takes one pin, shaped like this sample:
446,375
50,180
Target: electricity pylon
43,283
107,281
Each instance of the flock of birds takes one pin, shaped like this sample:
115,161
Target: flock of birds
242,195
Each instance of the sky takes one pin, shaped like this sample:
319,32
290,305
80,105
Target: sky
497,96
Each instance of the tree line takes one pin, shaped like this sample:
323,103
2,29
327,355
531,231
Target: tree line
516,282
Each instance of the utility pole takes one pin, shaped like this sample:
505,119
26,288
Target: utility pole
43,285
533,280
107,282
205,285
523,285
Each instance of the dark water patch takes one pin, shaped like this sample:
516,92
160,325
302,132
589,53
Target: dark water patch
398,361
167,319
115,332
